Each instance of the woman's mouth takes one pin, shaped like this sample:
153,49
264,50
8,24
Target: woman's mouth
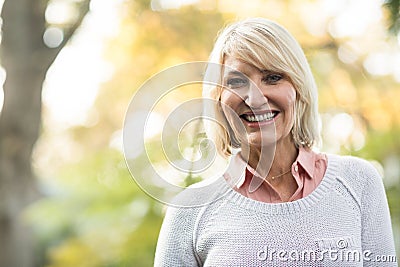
260,117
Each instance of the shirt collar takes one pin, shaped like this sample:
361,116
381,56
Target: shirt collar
235,174
306,159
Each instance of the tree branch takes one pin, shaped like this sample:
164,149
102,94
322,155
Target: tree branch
83,10
70,31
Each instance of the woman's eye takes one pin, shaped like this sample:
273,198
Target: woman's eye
236,82
272,78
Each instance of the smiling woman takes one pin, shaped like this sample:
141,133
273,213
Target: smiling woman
281,200
265,101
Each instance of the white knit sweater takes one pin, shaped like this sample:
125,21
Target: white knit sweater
345,221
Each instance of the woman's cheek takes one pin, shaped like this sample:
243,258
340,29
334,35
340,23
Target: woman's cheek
229,102
289,97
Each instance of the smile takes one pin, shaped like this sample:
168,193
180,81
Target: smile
260,117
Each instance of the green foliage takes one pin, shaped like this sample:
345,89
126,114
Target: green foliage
95,215
394,15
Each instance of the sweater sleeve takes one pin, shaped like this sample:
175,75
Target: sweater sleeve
175,242
377,236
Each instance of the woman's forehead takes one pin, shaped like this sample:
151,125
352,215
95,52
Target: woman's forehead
234,65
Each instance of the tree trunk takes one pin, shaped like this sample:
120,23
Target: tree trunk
26,60
23,28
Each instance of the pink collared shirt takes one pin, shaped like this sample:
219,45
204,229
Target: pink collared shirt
308,170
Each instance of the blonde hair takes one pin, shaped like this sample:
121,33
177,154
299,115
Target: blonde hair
265,45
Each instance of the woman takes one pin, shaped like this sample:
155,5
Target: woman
286,204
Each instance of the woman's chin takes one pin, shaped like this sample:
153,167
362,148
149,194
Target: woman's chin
258,141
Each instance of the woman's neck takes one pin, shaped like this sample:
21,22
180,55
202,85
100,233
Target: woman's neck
271,160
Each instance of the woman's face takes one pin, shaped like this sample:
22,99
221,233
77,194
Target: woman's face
263,100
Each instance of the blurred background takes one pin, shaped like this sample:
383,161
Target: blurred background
70,68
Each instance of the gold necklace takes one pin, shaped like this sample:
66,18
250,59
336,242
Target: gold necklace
279,175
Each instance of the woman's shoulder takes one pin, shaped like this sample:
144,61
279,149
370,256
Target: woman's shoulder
200,194
348,162
188,206
356,172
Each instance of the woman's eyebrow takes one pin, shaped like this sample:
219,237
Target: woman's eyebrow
270,71
235,72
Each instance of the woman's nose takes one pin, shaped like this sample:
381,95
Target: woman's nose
254,97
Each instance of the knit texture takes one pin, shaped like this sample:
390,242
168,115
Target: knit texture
345,221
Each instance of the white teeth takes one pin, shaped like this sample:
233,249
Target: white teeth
260,117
